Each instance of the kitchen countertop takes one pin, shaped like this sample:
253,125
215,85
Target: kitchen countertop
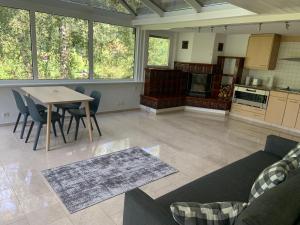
269,89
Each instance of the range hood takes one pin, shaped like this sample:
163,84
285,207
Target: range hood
294,59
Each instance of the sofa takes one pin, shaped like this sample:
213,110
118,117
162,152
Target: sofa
231,183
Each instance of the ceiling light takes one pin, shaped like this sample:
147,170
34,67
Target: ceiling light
287,25
225,28
259,27
212,29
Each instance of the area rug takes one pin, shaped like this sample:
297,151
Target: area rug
88,182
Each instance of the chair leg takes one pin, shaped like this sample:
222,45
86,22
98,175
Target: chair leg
29,132
62,131
95,120
70,123
17,122
77,126
63,117
24,125
37,136
54,129
82,120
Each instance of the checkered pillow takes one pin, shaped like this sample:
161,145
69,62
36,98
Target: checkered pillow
217,213
294,153
272,176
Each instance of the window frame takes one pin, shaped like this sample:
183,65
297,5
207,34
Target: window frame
121,20
170,56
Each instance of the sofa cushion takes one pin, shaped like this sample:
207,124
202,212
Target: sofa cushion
216,213
294,153
277,206
231,183
272,176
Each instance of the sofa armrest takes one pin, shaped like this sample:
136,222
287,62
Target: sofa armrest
279,146
141,209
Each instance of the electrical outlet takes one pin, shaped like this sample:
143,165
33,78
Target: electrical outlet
6,114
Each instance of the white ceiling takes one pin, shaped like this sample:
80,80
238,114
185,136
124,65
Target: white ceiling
268,6
279,28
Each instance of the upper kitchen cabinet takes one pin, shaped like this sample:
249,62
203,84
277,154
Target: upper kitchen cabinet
262,51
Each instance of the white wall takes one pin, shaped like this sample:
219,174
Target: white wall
236,45
115,97
203,47
184,55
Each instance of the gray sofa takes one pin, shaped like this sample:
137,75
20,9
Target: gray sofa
231,183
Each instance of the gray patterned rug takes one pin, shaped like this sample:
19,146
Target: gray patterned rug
85,183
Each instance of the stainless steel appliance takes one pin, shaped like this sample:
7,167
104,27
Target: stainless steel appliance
251,96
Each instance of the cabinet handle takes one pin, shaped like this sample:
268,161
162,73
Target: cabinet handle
294,101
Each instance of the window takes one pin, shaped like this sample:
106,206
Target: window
62,47
158,51
15,44
113,51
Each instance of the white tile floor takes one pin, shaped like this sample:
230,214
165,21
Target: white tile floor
195,144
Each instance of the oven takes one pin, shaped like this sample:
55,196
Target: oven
251,96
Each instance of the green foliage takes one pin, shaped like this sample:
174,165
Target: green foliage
113,51
62,47
15,44
62,44
158,51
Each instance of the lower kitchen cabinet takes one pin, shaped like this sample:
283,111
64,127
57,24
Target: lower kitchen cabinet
276,107
291,113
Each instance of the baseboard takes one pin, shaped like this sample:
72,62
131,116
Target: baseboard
265,124
184,108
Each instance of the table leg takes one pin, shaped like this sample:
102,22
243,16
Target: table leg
49,114
88,118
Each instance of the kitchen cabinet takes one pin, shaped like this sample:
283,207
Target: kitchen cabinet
292,111
276,107
262,51
248,111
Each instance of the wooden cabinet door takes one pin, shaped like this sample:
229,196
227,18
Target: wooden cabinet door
262,51
275,110
291,113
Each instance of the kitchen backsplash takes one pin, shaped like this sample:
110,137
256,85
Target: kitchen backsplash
287,73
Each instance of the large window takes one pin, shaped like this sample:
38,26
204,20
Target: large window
62,47
15,44
158,51
113,51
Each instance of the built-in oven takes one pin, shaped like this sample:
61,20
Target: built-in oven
251,96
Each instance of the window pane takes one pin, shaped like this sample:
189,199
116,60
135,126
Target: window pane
62,47
158,52
15,44
113,51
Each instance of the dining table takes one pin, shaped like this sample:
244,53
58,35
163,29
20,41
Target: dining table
50,95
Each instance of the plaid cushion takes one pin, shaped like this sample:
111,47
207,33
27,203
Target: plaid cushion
217,213
294,153
272,176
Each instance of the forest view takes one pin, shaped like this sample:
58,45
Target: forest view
62,47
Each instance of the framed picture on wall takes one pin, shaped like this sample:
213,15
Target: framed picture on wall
185,45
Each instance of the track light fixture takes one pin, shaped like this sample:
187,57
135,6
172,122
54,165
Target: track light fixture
212,29
259,27
225,28
287,25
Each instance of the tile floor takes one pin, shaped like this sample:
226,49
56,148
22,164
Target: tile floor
194,143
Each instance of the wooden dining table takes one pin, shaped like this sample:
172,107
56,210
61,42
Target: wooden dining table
50,95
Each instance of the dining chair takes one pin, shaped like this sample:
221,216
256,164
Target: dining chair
41,119
66,107
23,110
80,113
